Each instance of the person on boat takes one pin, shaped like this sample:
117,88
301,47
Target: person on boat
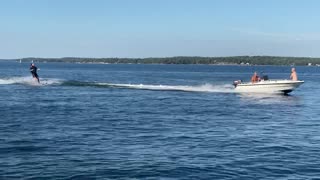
294,76
255,78
33,70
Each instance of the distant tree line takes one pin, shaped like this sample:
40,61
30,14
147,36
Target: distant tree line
245,60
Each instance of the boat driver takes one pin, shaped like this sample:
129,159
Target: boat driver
255,78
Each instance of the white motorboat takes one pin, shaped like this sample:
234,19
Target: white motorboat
267,86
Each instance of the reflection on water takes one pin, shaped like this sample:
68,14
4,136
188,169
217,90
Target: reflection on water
268,98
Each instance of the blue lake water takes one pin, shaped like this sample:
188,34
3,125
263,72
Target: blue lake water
128,121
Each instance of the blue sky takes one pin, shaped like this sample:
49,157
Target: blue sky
158,28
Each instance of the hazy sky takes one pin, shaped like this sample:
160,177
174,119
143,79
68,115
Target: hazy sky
158,28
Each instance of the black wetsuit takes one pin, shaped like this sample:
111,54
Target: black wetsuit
33,70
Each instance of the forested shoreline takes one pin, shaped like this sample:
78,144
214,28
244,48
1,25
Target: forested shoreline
233,60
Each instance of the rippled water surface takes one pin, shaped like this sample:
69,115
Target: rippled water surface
103,121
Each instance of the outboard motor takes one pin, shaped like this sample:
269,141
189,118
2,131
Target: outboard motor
235,83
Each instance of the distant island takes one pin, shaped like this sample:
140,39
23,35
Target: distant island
232,60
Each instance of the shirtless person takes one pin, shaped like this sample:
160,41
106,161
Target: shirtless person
255,78
293,75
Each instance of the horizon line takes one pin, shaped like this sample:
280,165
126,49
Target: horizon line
162,57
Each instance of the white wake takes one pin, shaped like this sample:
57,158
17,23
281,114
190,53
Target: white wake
226,88
198,88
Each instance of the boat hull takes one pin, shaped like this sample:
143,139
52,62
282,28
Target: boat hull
269,86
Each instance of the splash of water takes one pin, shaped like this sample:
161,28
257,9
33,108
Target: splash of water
28,81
